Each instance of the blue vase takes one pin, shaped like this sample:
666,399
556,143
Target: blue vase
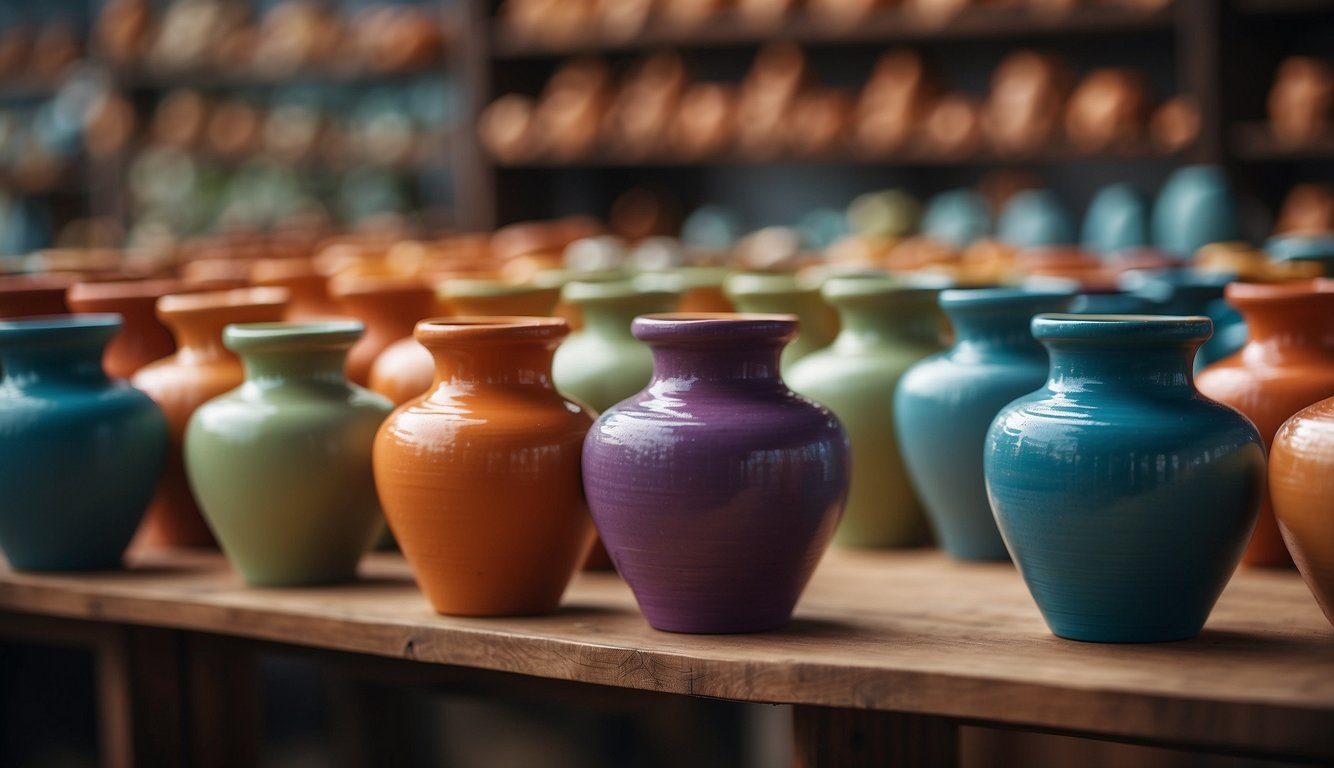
80,453
1297,247
1116,220
1190,292
957,218
1035,218
1195,208
945,403
1124,496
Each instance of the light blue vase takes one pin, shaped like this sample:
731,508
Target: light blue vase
1117,220
1195,208
1035,218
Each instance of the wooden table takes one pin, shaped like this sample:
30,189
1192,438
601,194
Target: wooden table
888,654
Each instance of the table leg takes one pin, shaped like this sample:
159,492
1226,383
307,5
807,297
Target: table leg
827,737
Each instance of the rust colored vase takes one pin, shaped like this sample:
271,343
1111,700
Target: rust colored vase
200,370
1286,365
142,338
480,478
388,306
307,287
1301,485
25,296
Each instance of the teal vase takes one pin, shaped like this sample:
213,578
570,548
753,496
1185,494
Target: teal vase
282,464
80,454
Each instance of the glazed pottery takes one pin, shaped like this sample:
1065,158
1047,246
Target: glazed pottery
307,287
701,287
200,370
405,369
143,338
715,488
1190,292
1124,496
281,465
27,295
479,477
1117,220
1301,485
785,294
1035,218
887,326
957,218
1316,249
601,364
388,306
1194,208
80,453
944,405
1286,365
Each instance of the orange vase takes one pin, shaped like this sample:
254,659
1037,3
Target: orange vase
142,338
23,295
1286,365
308,288
1301,485
201,369
480,478
388,306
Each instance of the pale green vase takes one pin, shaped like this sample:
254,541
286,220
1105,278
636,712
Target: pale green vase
282,464
785,294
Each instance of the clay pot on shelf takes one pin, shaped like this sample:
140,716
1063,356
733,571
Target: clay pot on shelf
892,103
505,128
1308,209
1108,109
80,453
1027,98
569,115
200,370
388,306
480,480
783,293
1088,478
28,295
693,481
1301,484
282,466
142,338
1301,101
1117,220
886,327
952,127
704,125
765,99
1286,365
944,405
1175,124
1035,218
1195,208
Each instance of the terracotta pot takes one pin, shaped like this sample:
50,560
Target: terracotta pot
308,288
480,479
142,337
1286,365
388,306
25,296
201,369
1301,484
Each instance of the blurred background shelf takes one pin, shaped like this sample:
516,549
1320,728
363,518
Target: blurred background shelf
1255,142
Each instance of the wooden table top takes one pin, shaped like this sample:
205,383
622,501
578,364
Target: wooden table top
901,631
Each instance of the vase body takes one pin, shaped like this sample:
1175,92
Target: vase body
1194,208
307,287
282,464
80,453
886,327
1124,496
944,406
784,294
716,489
28,295
388,306
1117,220
1286,365
1301,485
1035,218
200,370
143,338
480,476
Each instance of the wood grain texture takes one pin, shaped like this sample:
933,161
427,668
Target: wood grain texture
908,632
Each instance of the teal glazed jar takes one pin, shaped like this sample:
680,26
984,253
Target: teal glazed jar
784,293
944,405
1124,495
887,326
282,464
80,454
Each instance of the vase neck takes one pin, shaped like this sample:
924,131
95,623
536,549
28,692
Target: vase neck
869,325
199,339
70,362
997,336
753,363
285,367
610,319
1299,329
467,364
1161,370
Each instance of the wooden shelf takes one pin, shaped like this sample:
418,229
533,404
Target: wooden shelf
1282,7
1254,142
212,80
908,632
888,26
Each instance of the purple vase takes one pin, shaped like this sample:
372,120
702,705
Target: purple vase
716,489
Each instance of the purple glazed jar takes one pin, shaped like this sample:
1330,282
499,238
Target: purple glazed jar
716,489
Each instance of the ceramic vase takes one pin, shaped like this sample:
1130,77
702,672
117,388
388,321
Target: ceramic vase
282,464
944,405
701,287
716,489
388,306
200,370
1302,247
80,453
1301,485
785,294
307,287
1286,365
1035,218
1194,208
143,338
27,295
886,327
480,477
1124,496
1117,220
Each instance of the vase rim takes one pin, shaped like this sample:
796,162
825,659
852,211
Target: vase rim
482,328
1121,328
22,283
1260,293
704,326
43,329
113,290
756,283
483,287
342,286
247,337
206,301
1003,297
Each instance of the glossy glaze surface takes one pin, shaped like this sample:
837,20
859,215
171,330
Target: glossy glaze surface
887,326
80,453
200,370
1124,496
1287,364
282,464
143,338
1301,484
716,488
480,477
785,294
944,406
388,306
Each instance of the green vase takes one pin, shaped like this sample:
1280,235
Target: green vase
783,293
886,327
601,364
282,464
